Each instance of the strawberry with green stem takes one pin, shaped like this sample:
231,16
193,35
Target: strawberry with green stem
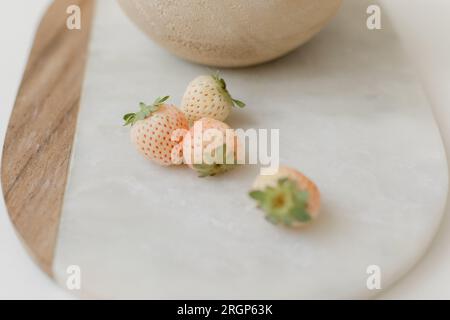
152,129
210,147
208,96
288,198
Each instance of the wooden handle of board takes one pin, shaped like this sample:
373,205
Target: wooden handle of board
38,143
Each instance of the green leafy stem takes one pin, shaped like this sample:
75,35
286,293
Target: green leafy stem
211,167
145,111
223,88
285,203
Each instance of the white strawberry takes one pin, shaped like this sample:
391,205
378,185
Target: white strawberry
210,147
207,96
152,129
288,197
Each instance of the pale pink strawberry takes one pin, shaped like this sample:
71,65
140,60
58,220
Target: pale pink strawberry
288,197
210,147
207,96
152,129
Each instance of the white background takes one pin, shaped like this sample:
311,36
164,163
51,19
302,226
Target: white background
423,24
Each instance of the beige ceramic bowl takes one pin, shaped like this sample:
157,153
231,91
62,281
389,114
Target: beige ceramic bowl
230,33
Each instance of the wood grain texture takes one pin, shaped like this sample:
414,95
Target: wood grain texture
38,143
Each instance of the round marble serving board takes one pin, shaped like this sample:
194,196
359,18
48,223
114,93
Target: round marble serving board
351,114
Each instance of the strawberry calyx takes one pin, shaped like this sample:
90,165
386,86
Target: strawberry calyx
222,85
285,203
145,111
212,168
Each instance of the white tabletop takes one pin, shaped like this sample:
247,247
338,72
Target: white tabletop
422,24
